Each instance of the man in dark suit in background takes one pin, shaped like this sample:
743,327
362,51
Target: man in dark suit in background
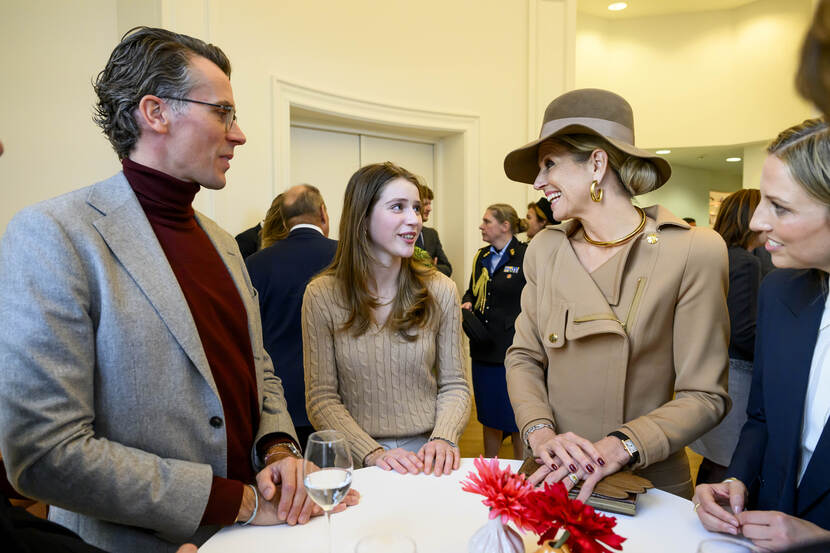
249,240
428,239
280,273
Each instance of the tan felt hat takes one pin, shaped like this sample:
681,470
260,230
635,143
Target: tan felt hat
584,111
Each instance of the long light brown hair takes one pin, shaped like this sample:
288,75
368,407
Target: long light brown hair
413,306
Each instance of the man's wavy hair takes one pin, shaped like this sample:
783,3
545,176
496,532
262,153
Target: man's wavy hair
146,61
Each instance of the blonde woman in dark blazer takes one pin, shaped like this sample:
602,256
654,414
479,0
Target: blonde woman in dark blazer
620,353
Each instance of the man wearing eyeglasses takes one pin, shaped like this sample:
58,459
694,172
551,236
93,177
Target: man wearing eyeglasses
135,393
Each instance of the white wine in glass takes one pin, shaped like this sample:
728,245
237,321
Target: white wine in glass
327,471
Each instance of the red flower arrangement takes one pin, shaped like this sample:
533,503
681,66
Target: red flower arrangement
502,490
585,530
544,511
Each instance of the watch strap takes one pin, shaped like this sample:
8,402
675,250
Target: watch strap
629,446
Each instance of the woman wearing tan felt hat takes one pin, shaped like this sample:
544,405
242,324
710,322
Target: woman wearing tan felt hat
620,353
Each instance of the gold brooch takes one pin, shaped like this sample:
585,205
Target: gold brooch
512,251
652,238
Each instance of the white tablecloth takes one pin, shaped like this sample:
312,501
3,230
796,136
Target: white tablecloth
440,517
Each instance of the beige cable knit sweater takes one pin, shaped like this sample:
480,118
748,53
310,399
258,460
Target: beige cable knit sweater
378,384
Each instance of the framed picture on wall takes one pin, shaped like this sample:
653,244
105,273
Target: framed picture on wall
715,199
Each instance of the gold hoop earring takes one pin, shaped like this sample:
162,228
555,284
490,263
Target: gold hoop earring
596,194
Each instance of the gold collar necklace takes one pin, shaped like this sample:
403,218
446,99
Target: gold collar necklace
618,241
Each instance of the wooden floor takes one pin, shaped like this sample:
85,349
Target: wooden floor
472,445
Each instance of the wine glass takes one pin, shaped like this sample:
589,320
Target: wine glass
726,545
327,471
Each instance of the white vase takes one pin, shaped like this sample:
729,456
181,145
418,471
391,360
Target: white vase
495,537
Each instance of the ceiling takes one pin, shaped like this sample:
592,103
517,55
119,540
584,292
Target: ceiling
710,158
645,8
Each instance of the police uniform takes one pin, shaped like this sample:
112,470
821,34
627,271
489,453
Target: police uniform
495,296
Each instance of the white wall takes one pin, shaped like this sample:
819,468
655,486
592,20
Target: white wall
686,194
50,51
699,79
754,157
472,57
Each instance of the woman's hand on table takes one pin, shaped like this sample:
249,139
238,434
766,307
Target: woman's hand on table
717,505
439,457
613,456
775,530
562,455
398,459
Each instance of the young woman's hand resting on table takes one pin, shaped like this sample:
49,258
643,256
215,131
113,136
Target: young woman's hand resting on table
436,456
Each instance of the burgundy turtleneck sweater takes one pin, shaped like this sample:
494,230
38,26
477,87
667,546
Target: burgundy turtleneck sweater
221,320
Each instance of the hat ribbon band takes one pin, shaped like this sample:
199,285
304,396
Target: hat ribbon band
609,129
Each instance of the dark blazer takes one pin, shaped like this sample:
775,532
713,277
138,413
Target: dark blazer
280,274
430,242
503,304
742,301
249,240
768,452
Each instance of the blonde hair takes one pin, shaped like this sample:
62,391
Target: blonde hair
505,212
413,306
805,150
637,175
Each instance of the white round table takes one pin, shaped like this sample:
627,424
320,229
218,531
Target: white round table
440,517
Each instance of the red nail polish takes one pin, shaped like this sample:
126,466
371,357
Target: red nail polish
573,468
589,468
553,466
601,462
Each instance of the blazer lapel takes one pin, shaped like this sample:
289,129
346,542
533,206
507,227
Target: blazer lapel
507,255
127,232
806,302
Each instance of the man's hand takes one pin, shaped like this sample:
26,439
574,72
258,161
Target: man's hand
283,501
468,305
293,505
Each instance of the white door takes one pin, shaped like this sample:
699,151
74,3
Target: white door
327,159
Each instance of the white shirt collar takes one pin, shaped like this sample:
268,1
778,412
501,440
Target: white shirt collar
306,225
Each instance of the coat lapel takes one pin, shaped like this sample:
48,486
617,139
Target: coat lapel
507,255
127,232
806,303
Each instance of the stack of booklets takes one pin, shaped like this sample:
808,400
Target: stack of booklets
616,493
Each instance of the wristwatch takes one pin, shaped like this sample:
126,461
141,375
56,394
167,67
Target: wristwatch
629,446
292,449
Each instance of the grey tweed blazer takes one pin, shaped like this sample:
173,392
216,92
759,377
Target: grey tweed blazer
106,395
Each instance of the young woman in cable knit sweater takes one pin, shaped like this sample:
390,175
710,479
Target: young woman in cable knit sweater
382,335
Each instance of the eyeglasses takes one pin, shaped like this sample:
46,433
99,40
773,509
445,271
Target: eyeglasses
229,111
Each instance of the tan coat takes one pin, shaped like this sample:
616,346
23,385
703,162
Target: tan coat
639,345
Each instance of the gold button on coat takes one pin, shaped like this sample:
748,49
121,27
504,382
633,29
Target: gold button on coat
553,338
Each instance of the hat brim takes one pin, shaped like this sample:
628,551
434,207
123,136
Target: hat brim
522,164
